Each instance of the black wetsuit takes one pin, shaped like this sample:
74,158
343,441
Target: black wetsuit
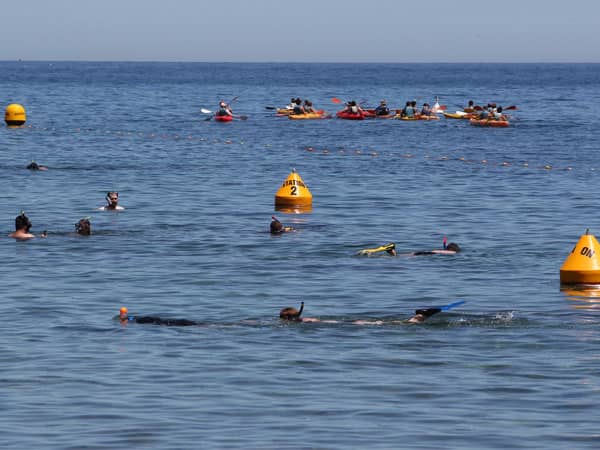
160,321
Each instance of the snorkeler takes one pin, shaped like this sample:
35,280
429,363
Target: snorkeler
291,314
84,227
278,228
124,317
35,166
112,198
448,249
22,227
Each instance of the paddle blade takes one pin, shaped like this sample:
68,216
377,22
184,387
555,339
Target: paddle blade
510,108
451,305
242,117
270,107
336,100
208,118
205,111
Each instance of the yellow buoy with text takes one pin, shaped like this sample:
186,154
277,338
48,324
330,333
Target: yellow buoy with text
293,192
14,115
582,266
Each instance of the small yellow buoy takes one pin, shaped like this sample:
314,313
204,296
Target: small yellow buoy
14,115
293,193
582,266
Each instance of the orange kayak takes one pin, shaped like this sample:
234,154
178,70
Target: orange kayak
489,123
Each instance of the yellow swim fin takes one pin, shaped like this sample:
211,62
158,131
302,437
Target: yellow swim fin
383,248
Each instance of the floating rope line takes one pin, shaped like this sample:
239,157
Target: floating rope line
482,162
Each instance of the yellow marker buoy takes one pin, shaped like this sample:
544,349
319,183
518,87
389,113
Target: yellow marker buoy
293,193
14,115
582,266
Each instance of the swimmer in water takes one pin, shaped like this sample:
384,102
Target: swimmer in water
35,166
84,227
124,318
22,227
112,198
449,249
291,314
278,228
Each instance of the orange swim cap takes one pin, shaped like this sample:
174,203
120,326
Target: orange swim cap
123,310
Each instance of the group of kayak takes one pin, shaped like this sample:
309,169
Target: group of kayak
488,116
491,115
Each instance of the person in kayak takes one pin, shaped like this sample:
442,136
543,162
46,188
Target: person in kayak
470,107
352,108
84,227
124,318
112,199
308,107
382,109
224,110
291,314
408,110
426,110
497,114
35,166
22,227
298,109
278,228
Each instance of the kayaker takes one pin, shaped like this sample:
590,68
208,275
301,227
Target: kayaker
353,108
112,198
470,107
124,317
408,110
22,227
426,110
308,107
497,114
382,109
278,228
298,109
291,104
35,166
224,110
84,227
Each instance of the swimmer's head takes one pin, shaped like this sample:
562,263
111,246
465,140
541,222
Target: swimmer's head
471,102
291,314
391,249
84,227
453,247
112,197
22,222
276,226
33,166
123,313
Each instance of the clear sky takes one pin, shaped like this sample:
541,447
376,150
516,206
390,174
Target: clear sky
301,30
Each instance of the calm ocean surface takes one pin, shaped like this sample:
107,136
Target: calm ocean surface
517,366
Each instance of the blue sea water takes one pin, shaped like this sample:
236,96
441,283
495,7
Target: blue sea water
516,366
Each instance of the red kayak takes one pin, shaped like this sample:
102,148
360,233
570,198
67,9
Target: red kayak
223,118
349,116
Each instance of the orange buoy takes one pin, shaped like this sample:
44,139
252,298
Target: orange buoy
293,193
15,116
582,266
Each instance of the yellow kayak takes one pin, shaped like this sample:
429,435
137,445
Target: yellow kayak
285,111
458,115
307,116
